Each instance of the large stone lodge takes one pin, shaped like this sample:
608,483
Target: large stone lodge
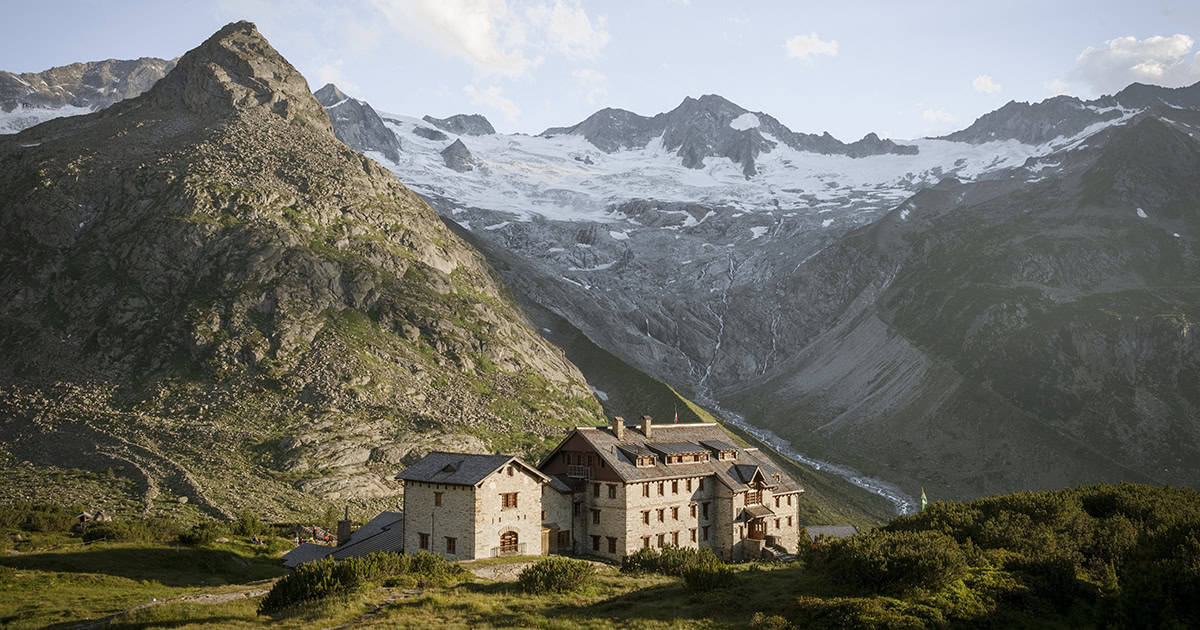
605,491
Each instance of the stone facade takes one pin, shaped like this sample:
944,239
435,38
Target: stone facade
606,491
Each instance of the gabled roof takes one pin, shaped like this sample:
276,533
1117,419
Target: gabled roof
675,448
460,469
617,455
374,526
305,552
385,533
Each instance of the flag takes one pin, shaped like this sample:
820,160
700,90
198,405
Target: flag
676,415
924,501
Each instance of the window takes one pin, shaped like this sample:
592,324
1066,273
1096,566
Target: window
776,501
508,500
645,542
612,489
577,508
660,515
704,510
612,544
595,517
451,545
789,521
689,485
741,531
692,510
776,523
646,516
692,531
510,471
662,541
701,484
508,542
424,541
675,486
675,538
660,488
704,533
789,499
646,490
595,489
753,497
437,498
675,513
564,539
543,516
595,543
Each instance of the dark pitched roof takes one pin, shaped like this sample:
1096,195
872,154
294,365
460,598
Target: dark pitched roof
617,455
461,469
675,448
755,511
830,531
382,533
374,526
305,552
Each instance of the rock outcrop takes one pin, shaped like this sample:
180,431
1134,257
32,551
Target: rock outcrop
208,292
463,124
357,124
458,157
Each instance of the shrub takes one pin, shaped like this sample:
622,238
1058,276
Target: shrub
557,575
707,573
892,561
203,534
671,560
34,517
315,581
150,530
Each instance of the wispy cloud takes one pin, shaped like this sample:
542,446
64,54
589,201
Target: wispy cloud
1166,61
804,47
492,97
591,85
985,84
938,116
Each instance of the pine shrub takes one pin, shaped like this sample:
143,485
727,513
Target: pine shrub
556,575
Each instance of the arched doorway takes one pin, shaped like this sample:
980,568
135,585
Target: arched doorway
508,542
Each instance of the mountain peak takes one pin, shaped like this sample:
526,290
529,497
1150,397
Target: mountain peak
330,95
237,70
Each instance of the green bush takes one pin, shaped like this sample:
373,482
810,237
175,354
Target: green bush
204,534
707,573
149,530
36,517
315,581
892,562
556,575
672,560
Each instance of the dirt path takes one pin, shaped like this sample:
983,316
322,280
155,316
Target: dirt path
380,607
194,598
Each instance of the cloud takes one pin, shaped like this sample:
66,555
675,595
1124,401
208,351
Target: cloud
592,85
1166,61
331,72
493,97
1056,87
496,39
938,116
984,83
805,46
567,29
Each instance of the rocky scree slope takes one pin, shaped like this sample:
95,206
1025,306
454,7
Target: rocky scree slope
1032,331
207,292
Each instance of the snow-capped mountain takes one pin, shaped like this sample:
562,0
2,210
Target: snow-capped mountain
29,98
357,124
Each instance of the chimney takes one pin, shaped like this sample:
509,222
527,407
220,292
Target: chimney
646,426
343,528
618,427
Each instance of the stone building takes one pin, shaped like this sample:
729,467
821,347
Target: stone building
674,484
465,506
606,491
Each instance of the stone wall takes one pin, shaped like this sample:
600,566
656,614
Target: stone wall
492,519
635,503
454,518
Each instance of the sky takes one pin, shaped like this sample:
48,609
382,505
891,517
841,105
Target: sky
900,69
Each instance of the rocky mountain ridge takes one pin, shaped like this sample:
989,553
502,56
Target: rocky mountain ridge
356,124
712,126
207,292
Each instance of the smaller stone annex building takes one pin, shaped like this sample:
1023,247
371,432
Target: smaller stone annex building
606,491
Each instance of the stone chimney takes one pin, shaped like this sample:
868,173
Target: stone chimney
618,427
343,528
646,426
